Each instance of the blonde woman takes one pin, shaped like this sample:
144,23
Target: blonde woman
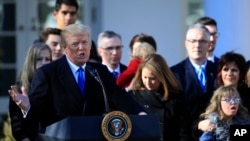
39,54
225,109
156,89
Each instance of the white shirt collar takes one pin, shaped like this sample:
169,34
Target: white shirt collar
211,58
74,67
111,70
196,66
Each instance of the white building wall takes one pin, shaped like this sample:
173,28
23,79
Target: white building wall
233,18
163,19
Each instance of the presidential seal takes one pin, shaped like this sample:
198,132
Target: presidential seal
116,126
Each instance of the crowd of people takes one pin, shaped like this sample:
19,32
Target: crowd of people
195,99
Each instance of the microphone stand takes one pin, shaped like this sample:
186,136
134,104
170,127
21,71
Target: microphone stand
95,74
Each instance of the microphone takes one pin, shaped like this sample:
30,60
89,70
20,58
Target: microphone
94,73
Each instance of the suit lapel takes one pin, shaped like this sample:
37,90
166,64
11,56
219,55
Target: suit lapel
191,74
122,67
210,75
91,85
68,81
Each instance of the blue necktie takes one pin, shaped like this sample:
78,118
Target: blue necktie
80,80
202,78
115,74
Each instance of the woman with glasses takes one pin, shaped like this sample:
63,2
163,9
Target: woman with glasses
231,72
224,109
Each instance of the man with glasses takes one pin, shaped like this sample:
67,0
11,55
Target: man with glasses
195,74
211,25
110,49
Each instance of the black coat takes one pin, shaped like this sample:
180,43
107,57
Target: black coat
216,60
195,98
123,67
170,113
55,95
244,92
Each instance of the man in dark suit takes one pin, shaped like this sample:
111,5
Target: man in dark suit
110,49
56,93
197,45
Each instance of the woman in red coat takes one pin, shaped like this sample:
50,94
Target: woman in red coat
141,45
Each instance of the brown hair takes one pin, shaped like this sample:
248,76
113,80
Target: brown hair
159,67
231,57
215,103
142,37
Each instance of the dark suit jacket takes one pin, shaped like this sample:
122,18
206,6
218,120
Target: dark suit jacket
55,94
19,126
244,91
196,100
170,113
123,67
216,60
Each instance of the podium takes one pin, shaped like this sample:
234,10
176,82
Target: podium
88,128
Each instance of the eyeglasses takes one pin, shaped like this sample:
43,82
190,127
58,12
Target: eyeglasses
216,34
198,41
232,100
111,48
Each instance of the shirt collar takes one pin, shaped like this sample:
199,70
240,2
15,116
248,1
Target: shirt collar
196,66
111,70
74,67
211,58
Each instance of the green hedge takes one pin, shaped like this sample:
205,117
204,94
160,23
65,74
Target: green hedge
5,129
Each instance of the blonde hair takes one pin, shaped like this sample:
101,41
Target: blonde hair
248,78
141,50
29,66
159,67
215,103
74,29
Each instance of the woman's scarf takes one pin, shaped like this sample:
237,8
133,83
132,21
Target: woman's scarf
222,129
